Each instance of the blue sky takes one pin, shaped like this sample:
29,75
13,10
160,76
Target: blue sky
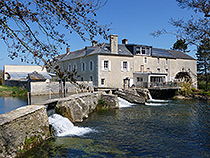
131,19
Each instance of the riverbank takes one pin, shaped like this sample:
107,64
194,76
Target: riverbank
196,94
6,91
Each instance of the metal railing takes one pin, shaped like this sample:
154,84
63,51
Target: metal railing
158,84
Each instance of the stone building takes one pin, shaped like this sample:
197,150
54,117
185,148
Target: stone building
123,65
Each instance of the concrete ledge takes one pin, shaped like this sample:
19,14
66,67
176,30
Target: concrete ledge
22,129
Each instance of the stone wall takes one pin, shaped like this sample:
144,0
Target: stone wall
22,129
79,106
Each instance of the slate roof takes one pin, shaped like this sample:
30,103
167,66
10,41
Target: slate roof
157,52
180,55
104,48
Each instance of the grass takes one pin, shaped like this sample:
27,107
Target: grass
12,91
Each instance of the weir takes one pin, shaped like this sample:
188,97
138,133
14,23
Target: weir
62,126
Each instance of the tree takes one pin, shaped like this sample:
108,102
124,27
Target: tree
180,45
35,30
203,61
194,29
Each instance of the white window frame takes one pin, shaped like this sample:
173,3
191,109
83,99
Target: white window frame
107,68
127,67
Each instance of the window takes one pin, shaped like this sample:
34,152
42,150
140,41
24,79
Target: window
166,61
103,81
147,51
83,67
82,79
145,60
142,68
91,78
158,60
69,67
106,64
125,66
91,66
137,50
158,69
139,79
143,50
148,69
75,67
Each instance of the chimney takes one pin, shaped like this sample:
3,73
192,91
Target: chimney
94,43
114,44
67,50
125,41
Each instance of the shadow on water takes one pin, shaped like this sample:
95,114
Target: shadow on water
178,129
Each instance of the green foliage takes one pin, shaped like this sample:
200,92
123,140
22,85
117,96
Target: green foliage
180,45
13,91
203,61
102,105
101,102
186,89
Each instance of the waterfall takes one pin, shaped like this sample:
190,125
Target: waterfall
124,103
64,127
154,102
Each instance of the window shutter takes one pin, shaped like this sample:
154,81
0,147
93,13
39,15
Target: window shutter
92,65
128,68
110,65
102,65
121,65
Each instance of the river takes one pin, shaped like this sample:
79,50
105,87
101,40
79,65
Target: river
173,129
8,104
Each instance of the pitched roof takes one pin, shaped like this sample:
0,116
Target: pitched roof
180,55
157,52
103,48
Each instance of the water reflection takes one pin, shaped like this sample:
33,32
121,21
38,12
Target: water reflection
8,104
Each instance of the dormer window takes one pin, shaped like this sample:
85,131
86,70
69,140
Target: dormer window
143,50
137,50
147,51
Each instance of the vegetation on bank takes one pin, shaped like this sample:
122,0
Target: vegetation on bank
189,92
12,91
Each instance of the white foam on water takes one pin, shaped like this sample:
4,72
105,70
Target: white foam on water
155,104
124,103
156,100
64,127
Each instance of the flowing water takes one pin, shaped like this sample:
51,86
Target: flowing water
176,129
